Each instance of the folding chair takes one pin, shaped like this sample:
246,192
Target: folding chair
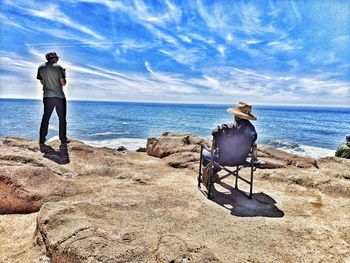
229,151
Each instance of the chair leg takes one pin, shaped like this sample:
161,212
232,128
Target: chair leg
209,190
236,184
251,181
200,168
210,183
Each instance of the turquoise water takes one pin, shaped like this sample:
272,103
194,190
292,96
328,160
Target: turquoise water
310,131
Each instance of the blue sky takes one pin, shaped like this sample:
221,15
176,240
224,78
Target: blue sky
263,52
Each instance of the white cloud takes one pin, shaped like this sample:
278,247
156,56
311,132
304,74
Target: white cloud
187,57
112,4
66,35
279,46
205,39
253,41
221,49
222,84
173,14
185,38
234,33
52,13
250,19
8,21
229,37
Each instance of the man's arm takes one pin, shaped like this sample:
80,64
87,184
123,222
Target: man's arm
62,76
38,76
63,82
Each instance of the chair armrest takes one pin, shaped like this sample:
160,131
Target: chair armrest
254,152
255,162
205,147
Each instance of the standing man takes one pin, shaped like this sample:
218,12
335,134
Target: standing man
53,77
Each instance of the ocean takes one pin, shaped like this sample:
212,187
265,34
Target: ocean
307,131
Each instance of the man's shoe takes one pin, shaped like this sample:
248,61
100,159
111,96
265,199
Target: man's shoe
43,147
215,177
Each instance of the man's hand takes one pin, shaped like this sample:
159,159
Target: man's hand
63,82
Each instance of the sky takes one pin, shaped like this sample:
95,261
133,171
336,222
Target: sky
264,52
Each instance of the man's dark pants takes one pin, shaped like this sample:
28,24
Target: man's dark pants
61,109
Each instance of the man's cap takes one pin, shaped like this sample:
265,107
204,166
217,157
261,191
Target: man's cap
242,111
347,138
51,55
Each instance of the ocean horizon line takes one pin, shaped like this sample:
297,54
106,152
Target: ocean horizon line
194,103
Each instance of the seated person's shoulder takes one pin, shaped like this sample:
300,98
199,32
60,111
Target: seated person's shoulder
222,128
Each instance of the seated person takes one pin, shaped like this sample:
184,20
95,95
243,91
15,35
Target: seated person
232,140
343,150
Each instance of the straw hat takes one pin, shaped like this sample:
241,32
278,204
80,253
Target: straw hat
242,111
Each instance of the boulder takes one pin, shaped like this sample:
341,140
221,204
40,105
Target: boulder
170,143
181,151
29,178
269,154
132,228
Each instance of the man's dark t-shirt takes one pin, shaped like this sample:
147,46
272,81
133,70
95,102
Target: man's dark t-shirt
50,74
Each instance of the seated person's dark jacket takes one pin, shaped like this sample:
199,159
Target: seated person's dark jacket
233,142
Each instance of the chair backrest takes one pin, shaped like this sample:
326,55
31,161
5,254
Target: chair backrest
233,146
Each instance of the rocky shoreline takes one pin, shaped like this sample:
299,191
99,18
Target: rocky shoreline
106,205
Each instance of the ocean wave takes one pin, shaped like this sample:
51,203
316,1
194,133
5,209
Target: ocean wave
108,133
53,127
284,144
316,152
129,143
53,138
302,150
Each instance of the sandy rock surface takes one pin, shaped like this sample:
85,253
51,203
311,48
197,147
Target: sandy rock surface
110,206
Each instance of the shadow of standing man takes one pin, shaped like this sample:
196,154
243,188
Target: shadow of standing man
60,156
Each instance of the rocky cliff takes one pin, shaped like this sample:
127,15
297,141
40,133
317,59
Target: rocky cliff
104,205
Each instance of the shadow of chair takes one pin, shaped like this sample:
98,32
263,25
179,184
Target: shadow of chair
237,201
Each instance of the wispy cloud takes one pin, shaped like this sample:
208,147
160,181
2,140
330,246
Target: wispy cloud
172,14
52,13
9,22
81,34
198,51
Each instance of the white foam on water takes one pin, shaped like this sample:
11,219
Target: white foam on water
53,139
310,151
53,127
129,143
300,149
108,133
